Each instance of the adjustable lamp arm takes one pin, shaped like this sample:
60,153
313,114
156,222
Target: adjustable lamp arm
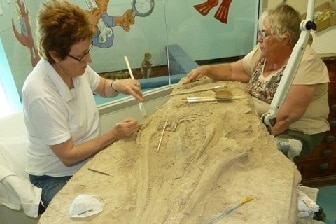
269,118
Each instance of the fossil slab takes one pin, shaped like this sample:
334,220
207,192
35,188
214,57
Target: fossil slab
187,164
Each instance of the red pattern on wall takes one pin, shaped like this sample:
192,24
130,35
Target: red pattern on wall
26,37
222,11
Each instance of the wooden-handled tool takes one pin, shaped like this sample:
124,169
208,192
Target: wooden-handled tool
141,106
221,94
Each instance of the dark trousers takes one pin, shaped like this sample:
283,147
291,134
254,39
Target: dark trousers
50,187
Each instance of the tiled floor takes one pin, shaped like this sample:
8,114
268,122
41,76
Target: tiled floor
326,198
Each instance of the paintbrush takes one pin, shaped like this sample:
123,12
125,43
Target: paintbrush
227,212
141,106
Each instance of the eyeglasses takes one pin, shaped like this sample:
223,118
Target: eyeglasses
263,34
80,59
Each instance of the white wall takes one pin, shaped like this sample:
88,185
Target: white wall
323,41
300,5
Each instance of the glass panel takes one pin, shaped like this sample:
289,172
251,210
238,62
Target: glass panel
192,37
195,31
143,44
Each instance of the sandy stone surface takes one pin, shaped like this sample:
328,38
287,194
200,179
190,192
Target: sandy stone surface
212,155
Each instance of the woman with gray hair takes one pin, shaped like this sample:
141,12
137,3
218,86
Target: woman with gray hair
302,118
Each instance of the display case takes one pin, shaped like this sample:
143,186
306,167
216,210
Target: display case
142,30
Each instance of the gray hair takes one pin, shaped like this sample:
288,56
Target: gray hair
281,20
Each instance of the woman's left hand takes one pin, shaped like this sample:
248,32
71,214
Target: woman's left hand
129,87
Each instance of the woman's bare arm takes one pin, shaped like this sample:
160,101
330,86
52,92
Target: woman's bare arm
71,154
294,106
233,71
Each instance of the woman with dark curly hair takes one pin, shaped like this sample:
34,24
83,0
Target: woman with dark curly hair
60,113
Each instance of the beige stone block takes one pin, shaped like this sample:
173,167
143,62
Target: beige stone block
187,164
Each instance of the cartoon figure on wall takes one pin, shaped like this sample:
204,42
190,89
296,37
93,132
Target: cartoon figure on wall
98,9
222,11
25,37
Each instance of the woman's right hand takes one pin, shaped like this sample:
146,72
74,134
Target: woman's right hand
129,87
196,73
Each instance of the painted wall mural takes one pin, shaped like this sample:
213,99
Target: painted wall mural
105,22
222,11
204,29
25,37
98,10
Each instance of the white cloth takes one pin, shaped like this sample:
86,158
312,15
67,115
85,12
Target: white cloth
16,191
85,205
53,114
306,206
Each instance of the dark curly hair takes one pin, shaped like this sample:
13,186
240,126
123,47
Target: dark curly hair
60,25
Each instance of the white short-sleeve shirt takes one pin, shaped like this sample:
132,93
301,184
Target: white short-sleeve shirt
53,113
